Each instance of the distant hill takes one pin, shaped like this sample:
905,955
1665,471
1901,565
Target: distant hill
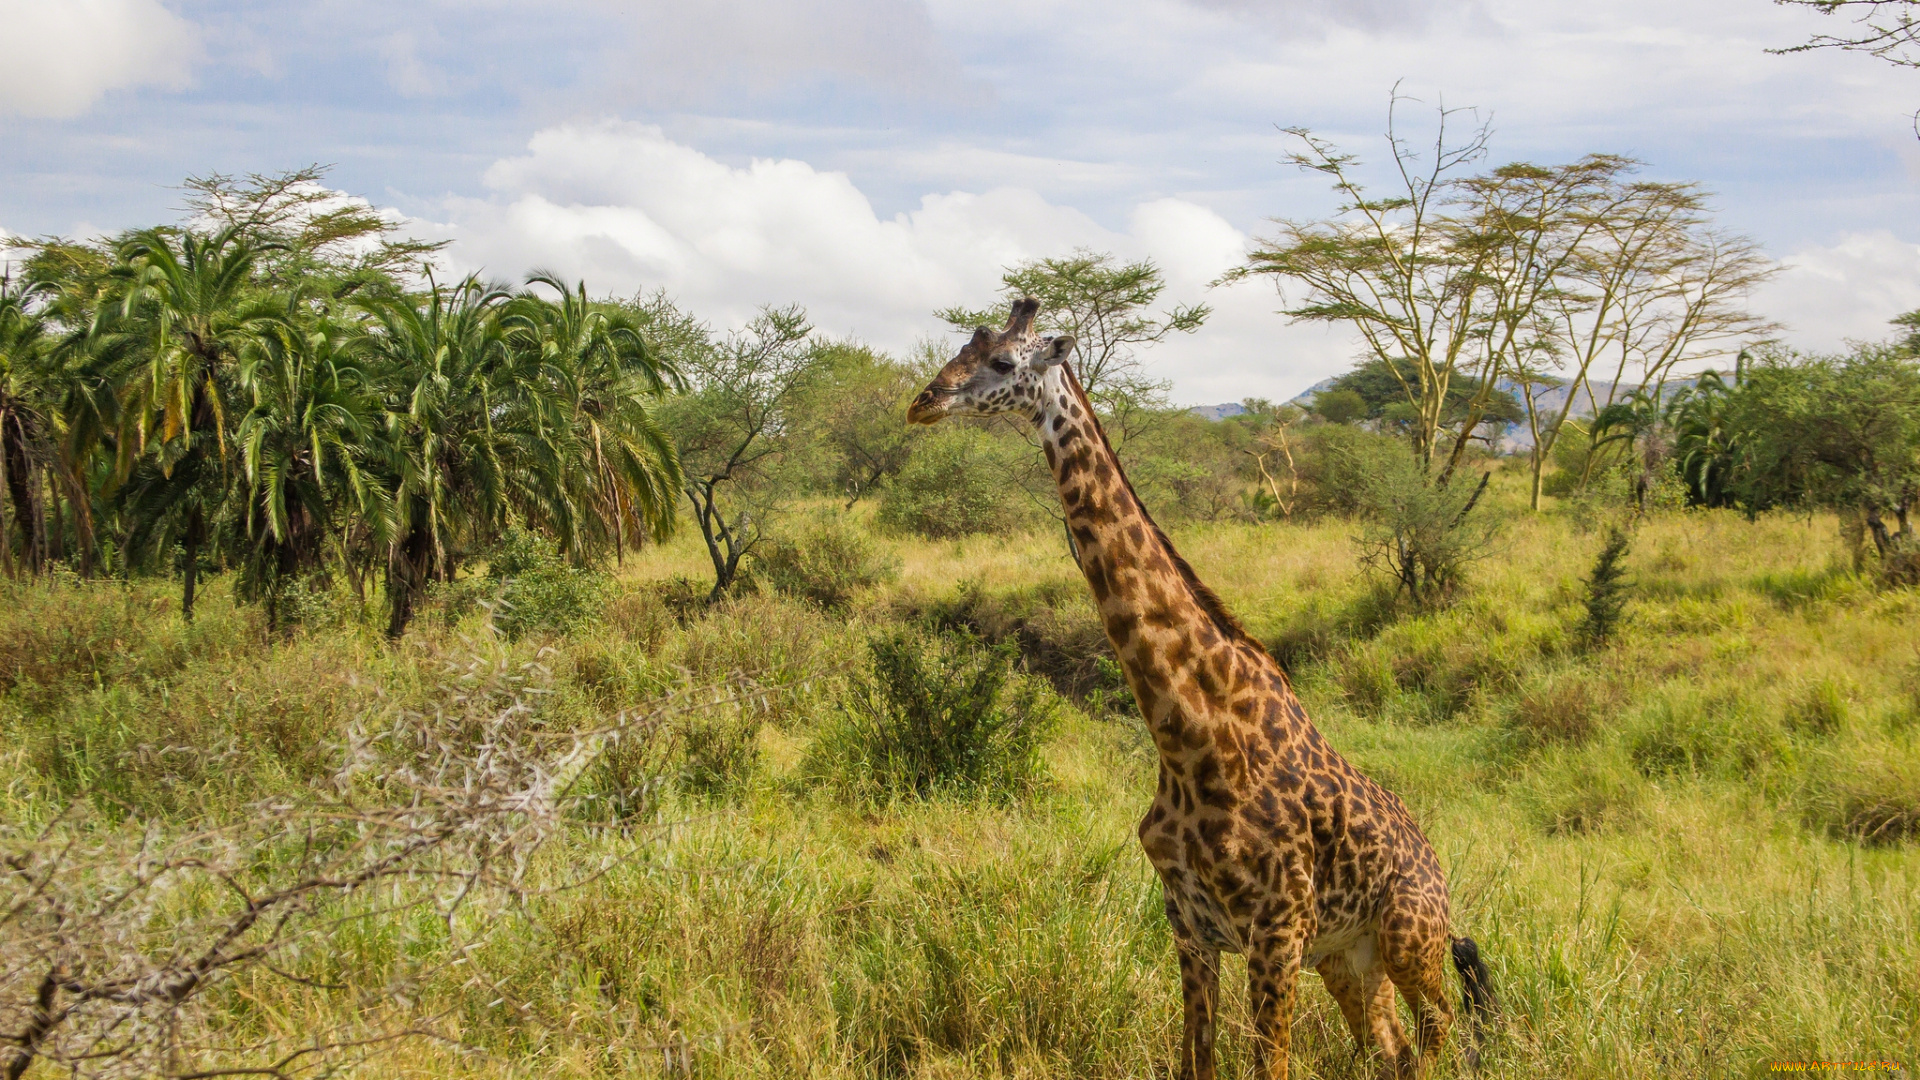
1516,437
1219,412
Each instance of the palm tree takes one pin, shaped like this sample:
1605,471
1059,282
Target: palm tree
609,466
447,451
1706,442
24,342
193,302
304,443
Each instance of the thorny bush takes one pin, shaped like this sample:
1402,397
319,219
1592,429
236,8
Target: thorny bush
119,937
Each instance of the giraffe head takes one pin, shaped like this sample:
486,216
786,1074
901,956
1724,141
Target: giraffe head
994,373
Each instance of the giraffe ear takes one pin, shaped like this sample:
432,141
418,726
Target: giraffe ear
1052,353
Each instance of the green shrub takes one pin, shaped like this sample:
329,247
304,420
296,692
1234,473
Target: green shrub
827,560
1340,406
959,482
938,714
1053,626
537,590
1418,535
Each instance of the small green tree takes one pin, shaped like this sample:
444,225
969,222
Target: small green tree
733,428
1340,405
1104,304
956,484
1608,590
850,419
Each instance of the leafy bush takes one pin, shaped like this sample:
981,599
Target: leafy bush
1185,468
960,480
937,715
1053,626
1418,534
1339,406
536,588
827,560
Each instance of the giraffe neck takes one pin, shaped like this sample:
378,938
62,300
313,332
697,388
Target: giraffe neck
1183,655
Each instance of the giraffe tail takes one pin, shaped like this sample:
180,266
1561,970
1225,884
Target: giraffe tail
1476,997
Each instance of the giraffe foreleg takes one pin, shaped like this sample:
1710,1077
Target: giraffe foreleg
1273,974
1200,996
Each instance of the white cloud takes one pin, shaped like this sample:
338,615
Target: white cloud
64,54
1829,295
627,209
406,71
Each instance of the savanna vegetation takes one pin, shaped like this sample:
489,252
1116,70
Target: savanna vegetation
403,677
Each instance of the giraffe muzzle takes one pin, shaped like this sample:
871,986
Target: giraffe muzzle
928,408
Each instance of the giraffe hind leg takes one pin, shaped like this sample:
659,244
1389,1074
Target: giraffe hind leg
1384,1018
1420,979
1366,1002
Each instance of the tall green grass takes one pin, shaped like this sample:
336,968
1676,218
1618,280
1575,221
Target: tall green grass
1690,851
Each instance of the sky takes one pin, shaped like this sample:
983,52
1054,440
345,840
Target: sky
875,160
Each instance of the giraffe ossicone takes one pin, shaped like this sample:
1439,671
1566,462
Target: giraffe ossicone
1266,840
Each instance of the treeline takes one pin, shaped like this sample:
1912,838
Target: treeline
281,388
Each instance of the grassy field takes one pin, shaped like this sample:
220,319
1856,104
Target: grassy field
1689,853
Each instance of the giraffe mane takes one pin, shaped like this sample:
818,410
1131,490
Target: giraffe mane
1203,595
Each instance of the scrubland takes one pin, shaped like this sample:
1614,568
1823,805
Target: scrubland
1691,851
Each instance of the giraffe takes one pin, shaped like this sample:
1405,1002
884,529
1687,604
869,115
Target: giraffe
1267,842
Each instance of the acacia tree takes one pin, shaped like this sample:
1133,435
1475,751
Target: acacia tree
307,236
1405,273
1645,284
1888,29
1525,276
732,427
852,414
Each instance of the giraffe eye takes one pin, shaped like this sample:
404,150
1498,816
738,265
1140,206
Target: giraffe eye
1002,365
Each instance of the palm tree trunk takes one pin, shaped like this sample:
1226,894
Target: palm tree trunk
407,572
196,532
